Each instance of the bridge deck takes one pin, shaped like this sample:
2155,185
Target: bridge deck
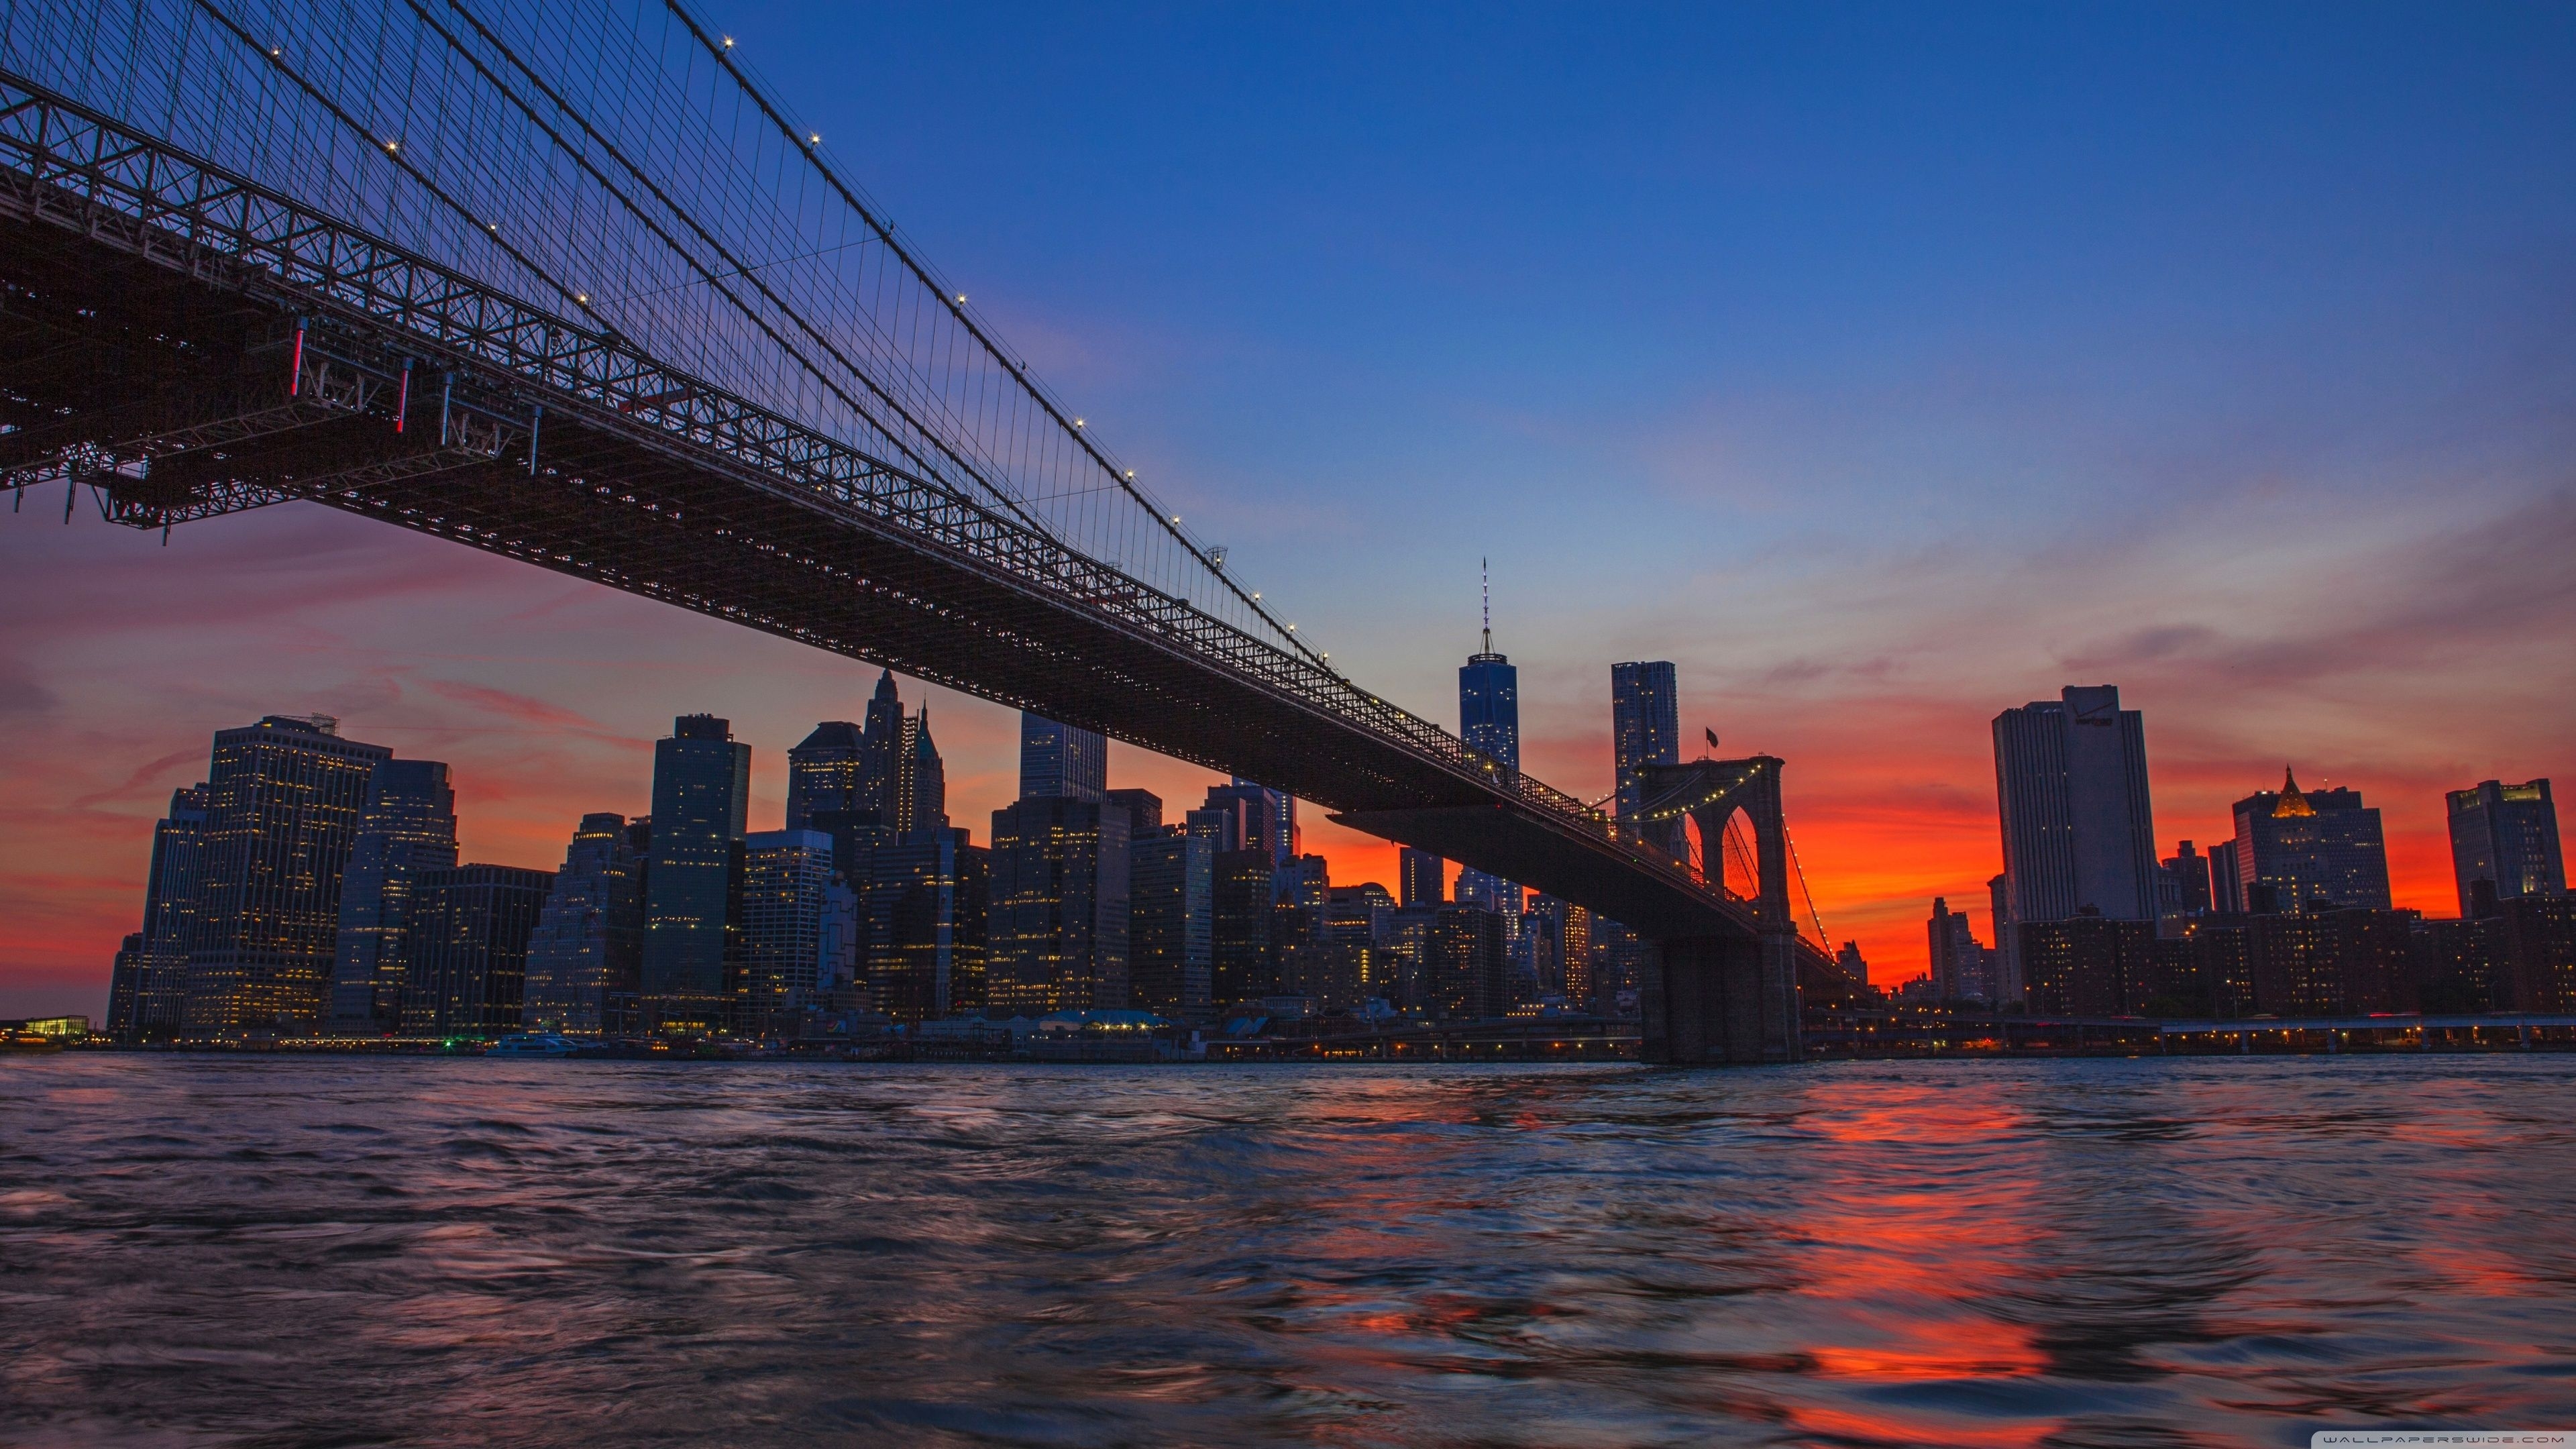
157,357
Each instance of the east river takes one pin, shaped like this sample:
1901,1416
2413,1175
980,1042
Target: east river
343,1251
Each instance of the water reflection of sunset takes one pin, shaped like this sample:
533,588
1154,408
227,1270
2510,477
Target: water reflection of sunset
1962,1253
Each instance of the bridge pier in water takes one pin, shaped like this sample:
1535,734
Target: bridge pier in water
1728,1000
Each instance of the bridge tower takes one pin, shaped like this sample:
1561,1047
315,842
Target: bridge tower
1724,1000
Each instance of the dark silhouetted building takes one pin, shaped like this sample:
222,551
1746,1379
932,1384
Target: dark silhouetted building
124,984
1421,878
1171,904
1645,729
2532,953
169,913
2507,834
586,954
1959,962
1300,892
1060,762
927,904
410,826
2308,851
1144,810
1059,912
1467,965
1242,966
2089,965
2186,882
887,768
1358,928
466,949
1560,937
285,799
2071,788
829,771
1266,819
2005,962
701,797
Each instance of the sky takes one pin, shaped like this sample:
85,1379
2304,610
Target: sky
1884,367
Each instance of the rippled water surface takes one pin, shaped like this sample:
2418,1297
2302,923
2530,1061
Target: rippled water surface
283,1251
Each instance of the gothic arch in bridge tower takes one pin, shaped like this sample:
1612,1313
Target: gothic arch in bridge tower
1709,999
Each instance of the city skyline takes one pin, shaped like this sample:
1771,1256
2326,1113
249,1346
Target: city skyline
1860,519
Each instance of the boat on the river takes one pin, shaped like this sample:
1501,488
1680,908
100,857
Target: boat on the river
531,1044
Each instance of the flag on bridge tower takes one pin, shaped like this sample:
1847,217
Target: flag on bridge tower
1712,736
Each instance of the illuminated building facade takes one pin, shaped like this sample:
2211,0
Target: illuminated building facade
466,949
285,799
1172,921
1059,911
701,796
2506,835
2071,791
410,826
1059,761
160,995
586,953
2307,850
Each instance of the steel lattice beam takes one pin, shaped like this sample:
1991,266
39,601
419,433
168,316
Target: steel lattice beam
560,444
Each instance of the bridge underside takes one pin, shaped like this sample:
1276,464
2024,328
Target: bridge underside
1562,865
191,391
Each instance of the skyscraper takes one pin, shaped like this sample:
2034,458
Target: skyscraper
1059,761
1358,931
799,934
827,773
1267,818
1059,913
2071,786
2007,950
125,979
1467,965
466,948
1645,729
921,803
2188,869
409,827
2507,834
888,768
926,904
285,798
169,913
1242,962
1172,918
1421,878
1489,722
586,953
701,795
1959,969
2305,850
1300,892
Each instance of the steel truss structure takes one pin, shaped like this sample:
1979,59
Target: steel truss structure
187,342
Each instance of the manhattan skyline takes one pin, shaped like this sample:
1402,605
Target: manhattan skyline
2253,438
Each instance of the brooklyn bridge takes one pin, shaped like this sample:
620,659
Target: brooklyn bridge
564,282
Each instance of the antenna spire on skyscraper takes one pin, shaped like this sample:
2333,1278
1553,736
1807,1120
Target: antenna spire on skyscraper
1485,581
